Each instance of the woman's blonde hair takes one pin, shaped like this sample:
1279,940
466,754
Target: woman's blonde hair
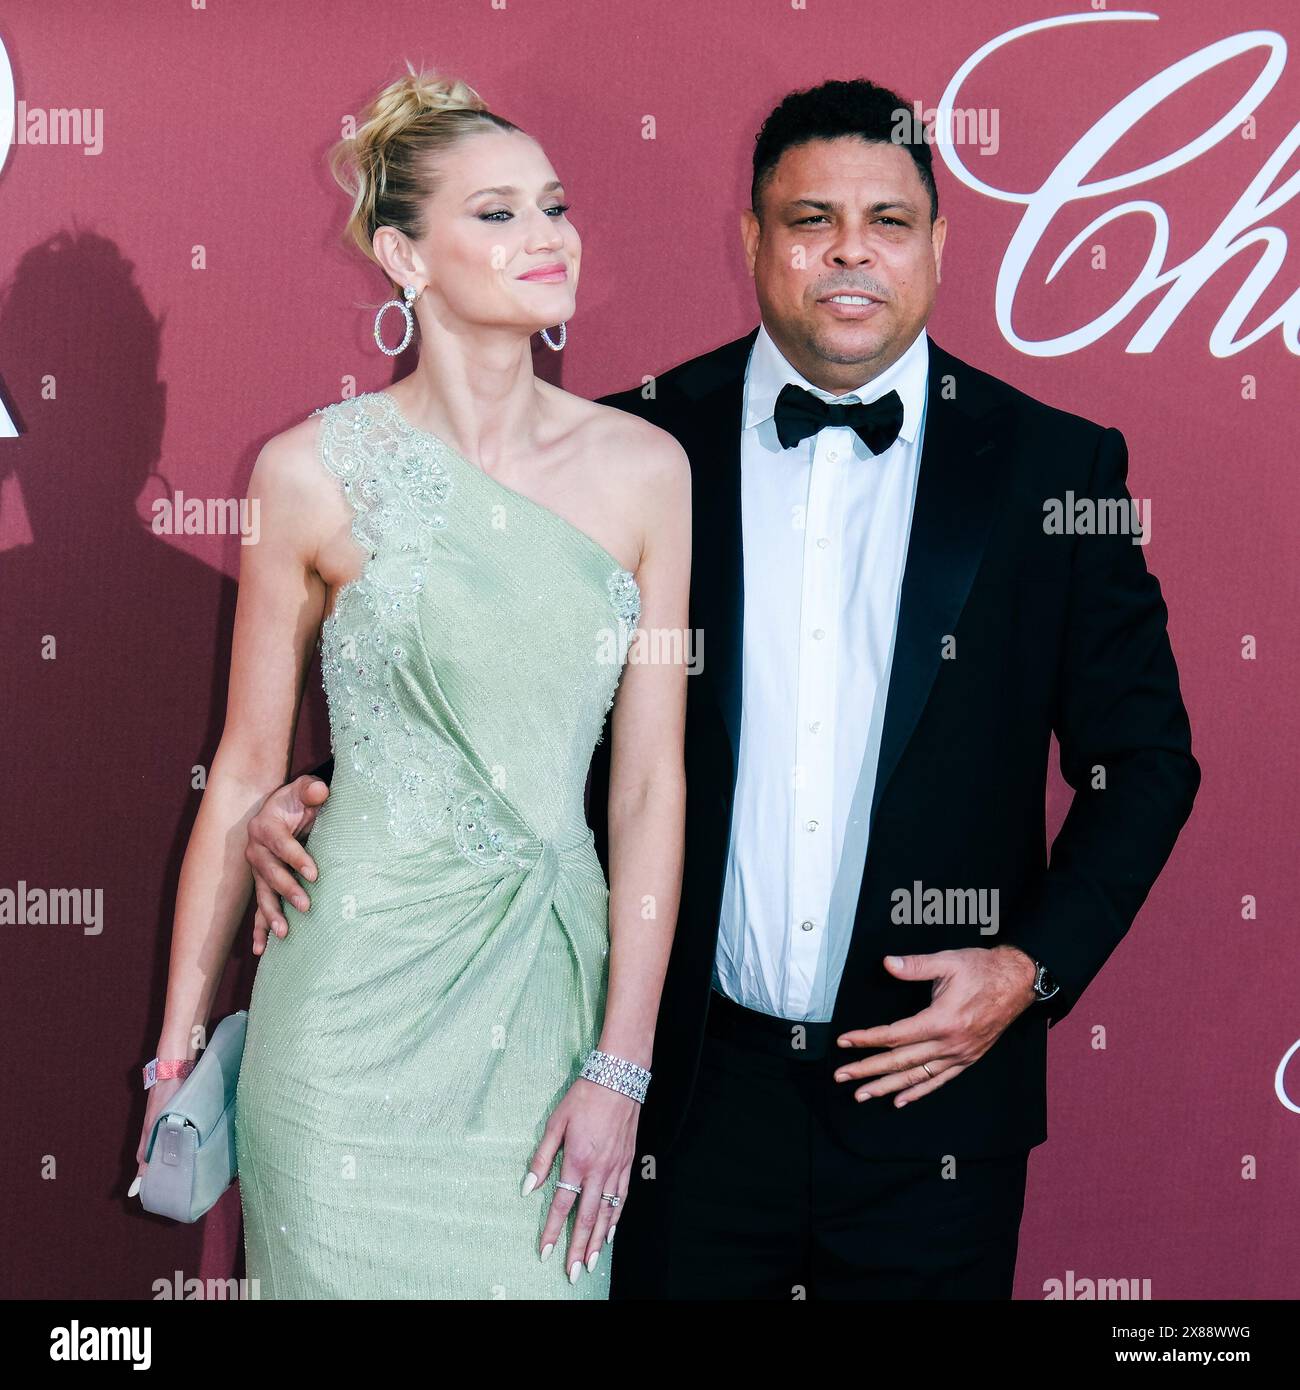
388,165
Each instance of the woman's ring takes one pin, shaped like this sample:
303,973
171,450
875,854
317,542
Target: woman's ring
569,1186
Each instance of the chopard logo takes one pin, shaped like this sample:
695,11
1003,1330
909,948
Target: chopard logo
1279,1078
1244,243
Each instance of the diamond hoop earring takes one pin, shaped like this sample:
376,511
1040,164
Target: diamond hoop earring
564,337
410,293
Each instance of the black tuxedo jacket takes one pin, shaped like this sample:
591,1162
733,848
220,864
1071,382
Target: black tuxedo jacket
1049,633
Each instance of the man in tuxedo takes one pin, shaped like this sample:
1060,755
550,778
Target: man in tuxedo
850,1063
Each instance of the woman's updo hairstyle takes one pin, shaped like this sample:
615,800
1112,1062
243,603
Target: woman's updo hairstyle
388,166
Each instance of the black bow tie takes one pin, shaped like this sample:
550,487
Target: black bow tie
799,413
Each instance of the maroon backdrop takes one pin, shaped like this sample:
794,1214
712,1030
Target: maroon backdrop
177,292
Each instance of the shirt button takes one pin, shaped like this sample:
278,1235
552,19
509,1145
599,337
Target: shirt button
814,726
822,542
806,926
819,633
833,456
812,825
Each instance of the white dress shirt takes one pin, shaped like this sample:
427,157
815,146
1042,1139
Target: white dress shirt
825,527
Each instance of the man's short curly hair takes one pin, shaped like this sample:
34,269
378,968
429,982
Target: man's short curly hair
836,109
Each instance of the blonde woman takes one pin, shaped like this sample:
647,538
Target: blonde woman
443,1068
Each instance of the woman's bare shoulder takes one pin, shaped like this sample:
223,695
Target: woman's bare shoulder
598,427
627,448
646,475
648,463
289,459
289,465
301,501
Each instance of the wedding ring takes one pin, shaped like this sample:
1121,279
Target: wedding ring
926,1069
612,1198
569,1186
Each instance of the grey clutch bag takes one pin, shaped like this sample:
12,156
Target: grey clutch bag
191,1149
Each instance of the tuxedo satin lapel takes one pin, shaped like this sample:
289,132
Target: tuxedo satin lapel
715,396
959,489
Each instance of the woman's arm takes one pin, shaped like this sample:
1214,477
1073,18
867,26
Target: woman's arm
647,781
595,1125
277,619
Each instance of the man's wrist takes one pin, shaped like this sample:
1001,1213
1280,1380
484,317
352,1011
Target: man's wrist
1041,985
1027,964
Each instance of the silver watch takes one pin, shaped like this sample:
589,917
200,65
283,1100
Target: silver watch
1044,985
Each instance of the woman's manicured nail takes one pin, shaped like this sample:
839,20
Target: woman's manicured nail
591,1261
609,1235
135,1186
530,1182
574,1270
546,1251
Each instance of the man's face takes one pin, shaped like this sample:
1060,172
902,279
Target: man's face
844,218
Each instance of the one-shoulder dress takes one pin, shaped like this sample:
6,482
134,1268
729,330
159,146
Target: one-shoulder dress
410,1035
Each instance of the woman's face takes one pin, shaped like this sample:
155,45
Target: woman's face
498,246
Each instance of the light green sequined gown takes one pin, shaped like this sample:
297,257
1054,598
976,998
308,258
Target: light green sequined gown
410,1035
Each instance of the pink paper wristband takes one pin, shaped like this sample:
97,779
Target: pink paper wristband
165,1069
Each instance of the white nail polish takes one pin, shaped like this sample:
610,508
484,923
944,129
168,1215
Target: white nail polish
609,1235
574,1270
546,1251
135,1186
530,1182
591,1263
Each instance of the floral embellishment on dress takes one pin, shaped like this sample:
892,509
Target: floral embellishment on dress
480,840
397,485
625,599
625,596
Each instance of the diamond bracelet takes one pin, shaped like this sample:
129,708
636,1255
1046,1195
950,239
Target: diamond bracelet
619,1075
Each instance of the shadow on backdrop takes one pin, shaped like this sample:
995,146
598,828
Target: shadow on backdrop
115,654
